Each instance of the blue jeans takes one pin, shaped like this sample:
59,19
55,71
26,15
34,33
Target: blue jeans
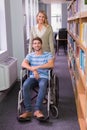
27,87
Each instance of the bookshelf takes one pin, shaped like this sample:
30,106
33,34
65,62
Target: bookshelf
77,55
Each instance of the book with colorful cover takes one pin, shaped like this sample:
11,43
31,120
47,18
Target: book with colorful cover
82,60
84,33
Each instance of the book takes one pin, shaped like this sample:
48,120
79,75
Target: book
84,33
82,60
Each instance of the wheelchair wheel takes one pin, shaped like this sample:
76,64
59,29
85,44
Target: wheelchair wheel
55,90
54,111
56,84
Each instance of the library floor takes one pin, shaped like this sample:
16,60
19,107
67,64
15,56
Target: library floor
67,119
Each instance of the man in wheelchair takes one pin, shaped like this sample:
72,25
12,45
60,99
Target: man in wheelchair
38,63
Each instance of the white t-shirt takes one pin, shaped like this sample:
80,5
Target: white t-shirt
40,32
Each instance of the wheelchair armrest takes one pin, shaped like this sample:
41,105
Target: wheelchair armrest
23,68
50,73
24,73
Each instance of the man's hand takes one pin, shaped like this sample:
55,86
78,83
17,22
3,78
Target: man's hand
36,75
34,68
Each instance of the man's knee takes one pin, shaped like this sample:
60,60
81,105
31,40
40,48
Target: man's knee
43,83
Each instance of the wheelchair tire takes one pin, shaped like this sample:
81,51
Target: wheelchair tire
56,80
55,90
54,111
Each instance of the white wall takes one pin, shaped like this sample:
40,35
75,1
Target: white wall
64,15
15,34
3,40
49,13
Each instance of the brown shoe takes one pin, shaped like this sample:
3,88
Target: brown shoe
26,116
38,114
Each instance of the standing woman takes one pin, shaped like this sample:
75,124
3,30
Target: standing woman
44,31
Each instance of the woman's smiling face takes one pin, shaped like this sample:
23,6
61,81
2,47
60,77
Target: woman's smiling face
41,18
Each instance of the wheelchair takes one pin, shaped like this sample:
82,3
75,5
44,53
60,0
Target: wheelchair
52,96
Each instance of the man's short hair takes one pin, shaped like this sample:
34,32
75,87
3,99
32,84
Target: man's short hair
37,38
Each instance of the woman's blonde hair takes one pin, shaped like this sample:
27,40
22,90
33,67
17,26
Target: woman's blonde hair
46,19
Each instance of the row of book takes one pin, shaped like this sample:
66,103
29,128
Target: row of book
73,8
72,63
74,52
71,41
74,27
74,46
77,30
77,6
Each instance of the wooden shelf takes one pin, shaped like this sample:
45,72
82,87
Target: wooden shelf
82,101
83,14
75,27
82,75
